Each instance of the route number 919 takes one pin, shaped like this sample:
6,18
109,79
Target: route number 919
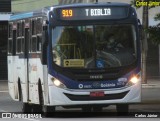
67,13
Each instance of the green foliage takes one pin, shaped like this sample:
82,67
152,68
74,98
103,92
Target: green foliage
153,31
154,34
157,17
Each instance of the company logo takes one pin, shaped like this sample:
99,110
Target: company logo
108,85
80,86
96,76
17,115
6,115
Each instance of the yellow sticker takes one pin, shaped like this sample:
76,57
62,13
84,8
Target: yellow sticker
73,63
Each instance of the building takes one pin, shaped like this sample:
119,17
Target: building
5,9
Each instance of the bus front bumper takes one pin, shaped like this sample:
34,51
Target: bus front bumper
68,97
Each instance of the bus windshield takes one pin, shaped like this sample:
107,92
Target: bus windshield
94,46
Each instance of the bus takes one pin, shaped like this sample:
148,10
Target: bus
76,55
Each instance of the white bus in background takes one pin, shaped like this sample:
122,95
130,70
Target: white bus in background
78,55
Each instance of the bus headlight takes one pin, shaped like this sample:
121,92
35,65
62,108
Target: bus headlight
133,80
58,83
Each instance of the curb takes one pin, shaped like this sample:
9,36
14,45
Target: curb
146,102
150,86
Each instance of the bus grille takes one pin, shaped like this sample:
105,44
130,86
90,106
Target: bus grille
88,98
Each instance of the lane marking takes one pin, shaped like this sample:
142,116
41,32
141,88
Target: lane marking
3,110
30,119
145,110
4,91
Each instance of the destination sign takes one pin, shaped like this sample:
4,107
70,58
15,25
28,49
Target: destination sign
92,13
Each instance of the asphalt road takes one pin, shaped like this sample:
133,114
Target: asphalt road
8,105
149,106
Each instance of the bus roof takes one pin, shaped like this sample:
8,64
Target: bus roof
95,4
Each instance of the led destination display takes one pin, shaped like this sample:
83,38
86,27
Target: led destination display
92,13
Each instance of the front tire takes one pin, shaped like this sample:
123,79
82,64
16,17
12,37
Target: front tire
49,111
26,108
37,109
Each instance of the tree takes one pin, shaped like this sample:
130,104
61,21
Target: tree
153,31
144,37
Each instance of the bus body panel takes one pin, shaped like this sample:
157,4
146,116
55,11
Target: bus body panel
35,77
13,80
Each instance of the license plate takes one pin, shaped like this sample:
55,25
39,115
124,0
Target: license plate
96,94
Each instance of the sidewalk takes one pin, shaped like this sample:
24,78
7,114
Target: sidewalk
151,91
3,85
152,83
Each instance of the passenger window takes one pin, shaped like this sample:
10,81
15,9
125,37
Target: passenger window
22,38
39,26
10,30
10,40
19,34
34,37
39,33
33,27
34,42
14,42
19,45
39,43
10,46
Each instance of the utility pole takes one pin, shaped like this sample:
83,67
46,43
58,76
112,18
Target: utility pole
144,42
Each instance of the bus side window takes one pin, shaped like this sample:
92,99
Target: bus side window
33,43
10,40
14,42
23,43
19,42
39,33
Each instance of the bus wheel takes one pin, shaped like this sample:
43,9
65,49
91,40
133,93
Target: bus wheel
37,109
26,108
48,111
122,109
